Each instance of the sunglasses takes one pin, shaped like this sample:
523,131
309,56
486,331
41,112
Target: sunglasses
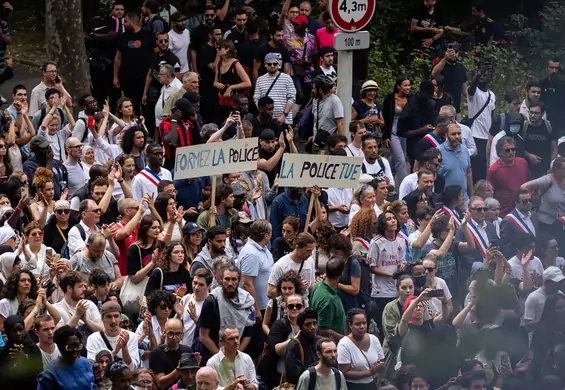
479,209
510,150
272,64
430,269
163,40
525,201
36,234
296,306
65,211
74,347
3,147
164,307
97,211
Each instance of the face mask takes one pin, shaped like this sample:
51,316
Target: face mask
514,129
420,281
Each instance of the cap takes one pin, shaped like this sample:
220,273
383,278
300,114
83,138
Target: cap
61,204
191,228
188,361
300,19
561,140
192,97
39,141
110,307
177,16
476,267
243,217
267,135
553,273
368,85
238,189
514,117
184,105
272,57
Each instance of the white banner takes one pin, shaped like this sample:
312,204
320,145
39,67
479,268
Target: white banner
216,158
307,170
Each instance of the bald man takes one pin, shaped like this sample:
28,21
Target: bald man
206,379
165,360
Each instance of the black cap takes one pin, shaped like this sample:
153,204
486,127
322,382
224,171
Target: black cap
191,228
192,97
177,16
267,135
188,361
185,106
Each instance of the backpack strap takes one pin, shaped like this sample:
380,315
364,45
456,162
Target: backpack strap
337,377
381,164
81,231
313,377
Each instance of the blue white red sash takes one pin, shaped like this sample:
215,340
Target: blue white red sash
432,139
151,176
363,242
452,214
519,223
478,238
403,235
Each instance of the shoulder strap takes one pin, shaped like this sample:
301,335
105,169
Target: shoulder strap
301,352
273,84
381,164
482,108
61,232
105,340
81,231
337,377
313,377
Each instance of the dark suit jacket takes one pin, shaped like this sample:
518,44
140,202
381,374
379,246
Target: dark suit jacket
466,260
509,230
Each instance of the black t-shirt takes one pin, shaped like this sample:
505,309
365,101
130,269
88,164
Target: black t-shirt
206,56
246,52
265,49
171,280
427,20
267,155
454,77
52,236
133,259
280,248
199,37
161,362
538,141
168,57
445,100
484,30
238,38
258,127
137,52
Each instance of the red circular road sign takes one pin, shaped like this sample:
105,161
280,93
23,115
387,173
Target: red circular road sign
351,15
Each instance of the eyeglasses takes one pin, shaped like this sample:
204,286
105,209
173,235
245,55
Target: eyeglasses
163,40
525,201
63,211
36,234
510,150
76,146
164,307
293,306
74,347
479,209
175,334
430,269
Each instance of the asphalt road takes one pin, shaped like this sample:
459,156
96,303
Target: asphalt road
22,75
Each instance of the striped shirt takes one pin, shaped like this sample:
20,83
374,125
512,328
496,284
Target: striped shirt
283,92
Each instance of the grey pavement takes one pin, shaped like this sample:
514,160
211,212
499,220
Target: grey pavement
23,74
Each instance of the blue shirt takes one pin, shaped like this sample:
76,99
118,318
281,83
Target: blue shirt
454,166
282,207
256,262
79,376
189,194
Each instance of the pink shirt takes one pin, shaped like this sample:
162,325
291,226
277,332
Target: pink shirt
324,38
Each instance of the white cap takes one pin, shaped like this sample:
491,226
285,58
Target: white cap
553,273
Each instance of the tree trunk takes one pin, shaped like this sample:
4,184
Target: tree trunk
65,45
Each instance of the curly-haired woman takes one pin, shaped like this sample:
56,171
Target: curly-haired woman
290,283
21,285
42,210
133,143
362,230
322,253
171,273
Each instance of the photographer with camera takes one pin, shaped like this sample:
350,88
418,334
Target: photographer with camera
327,112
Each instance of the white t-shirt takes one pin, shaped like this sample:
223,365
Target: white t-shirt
534,305
416,254
178,43
76,177
337,197
349,353
286,264
47,358
353,151
409,184
189,325
386,255
95,343
535,269
376,171
481,125
435,304
67,311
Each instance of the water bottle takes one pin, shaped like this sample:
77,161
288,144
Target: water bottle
100,306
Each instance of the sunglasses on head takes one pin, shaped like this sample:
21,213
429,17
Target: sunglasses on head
296,306
64,211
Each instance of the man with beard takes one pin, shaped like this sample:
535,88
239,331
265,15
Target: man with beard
325,375
291,202
215,246
301,351
44,329
519,220
540,141
270,154
481,102
133,59
187,369
200,35
153,21
423,191
455,75
275,45
456,161
227,305
42,156
179,40
122,343
417,118
428,161
373,164
76,311
230,355
147,181
89,106
264,119
533,94
222,210
238,33
434,138
166,358
553,94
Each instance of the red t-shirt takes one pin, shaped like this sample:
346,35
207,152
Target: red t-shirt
506,180
123,246
324,38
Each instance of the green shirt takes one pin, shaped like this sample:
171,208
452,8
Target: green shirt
327,303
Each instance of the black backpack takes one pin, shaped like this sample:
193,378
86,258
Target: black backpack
381,164
166,26
313,378
44,112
